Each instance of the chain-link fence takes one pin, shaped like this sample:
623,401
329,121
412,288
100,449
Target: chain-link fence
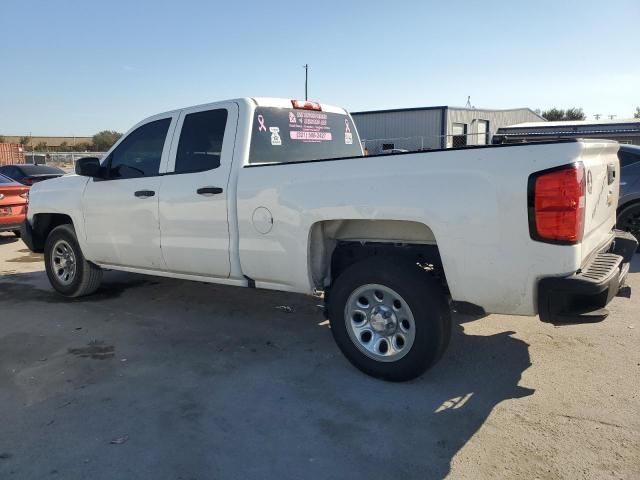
376,146
63,160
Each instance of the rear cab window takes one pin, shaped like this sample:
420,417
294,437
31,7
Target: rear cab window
283,135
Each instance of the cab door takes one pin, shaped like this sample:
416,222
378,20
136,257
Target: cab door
194,196
121,207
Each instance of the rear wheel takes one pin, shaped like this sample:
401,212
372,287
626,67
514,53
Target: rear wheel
629,220
70,274
389,318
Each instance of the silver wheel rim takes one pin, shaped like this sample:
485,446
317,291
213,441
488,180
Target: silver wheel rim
380,322
63,262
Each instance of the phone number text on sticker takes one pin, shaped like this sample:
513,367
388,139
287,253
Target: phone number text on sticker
321,136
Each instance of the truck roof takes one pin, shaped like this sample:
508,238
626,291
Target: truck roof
257,101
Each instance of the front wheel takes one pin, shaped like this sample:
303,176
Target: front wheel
389,318
70,274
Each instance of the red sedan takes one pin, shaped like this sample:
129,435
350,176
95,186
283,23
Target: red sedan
13,205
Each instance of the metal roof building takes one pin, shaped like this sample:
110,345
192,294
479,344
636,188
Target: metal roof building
427,128
623,131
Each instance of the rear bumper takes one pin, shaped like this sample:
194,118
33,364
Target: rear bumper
581,297
12,222
9,227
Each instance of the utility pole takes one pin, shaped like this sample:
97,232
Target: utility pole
306,81
597,116
611,117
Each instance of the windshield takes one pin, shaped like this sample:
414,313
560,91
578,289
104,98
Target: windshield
281,135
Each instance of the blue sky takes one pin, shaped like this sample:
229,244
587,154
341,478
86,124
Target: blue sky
77,67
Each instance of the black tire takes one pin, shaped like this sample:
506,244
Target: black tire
16,233
629,220
87,276
423,295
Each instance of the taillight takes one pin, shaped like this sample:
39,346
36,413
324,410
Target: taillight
306,105
556,204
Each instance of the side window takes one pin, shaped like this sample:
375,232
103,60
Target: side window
139,153
200,143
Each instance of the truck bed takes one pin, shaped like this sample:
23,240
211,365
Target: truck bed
473,200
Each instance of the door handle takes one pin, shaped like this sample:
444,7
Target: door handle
207,191
144,193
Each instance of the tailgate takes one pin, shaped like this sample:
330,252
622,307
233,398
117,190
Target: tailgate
602,171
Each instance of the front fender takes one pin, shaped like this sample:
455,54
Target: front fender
63,196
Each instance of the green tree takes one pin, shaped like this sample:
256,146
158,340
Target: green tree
102,141
574,114
557,114
83,147
25,141
41,147
553,114
637,114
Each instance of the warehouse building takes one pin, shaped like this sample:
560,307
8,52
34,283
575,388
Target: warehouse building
429,128
623,131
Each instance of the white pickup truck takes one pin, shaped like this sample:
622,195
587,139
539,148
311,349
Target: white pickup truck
277,194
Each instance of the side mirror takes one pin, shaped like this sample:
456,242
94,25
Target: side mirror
88,167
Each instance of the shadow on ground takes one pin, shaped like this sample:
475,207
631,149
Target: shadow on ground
216,382
8,238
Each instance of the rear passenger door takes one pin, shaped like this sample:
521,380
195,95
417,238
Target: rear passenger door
194,226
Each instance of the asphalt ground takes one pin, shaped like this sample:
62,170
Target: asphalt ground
155,378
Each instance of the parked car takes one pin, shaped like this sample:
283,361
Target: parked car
13,202
28,174
277,194
629,204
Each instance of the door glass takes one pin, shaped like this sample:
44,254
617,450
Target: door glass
139,154
201,141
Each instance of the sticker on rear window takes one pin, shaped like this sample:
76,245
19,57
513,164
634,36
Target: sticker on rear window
275,136
348,137
261,126
309,126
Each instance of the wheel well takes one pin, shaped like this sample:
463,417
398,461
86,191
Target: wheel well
334,245
43,224
630,203
425,257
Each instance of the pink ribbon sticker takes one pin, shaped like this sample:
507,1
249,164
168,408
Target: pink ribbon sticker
346,126
262,127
